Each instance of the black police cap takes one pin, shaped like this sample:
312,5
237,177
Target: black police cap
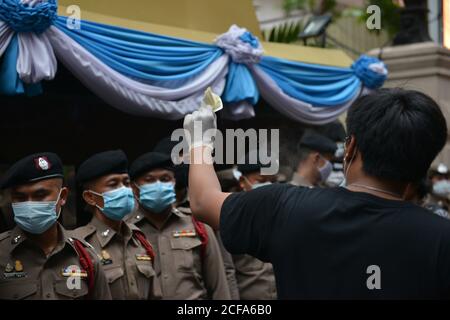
250,165
165,145
35,167
150,161
318,142
101,164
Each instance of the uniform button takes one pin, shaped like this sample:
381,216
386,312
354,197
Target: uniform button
132,283
48,295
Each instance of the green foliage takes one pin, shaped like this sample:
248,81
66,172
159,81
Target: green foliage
289,5
328,5
284,33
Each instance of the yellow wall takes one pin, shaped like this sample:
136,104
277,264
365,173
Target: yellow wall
214,16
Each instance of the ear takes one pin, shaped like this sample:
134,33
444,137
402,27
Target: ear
316,157
350,149
88,197
63,196
242,183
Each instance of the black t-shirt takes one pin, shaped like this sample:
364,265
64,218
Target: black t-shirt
328,243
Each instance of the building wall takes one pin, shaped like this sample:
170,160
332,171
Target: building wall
347,33
270,13
424,67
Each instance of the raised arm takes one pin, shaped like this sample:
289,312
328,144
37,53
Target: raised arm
205,194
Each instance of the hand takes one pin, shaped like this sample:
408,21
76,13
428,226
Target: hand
200,127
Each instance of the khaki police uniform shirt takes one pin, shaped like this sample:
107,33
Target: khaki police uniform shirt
27,273
230,270
256,280
228,263
127,266
184,275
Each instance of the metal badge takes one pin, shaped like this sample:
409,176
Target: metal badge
14,272
105,233
16,239
143,257
106,258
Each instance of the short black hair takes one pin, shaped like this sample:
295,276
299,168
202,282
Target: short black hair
301,155
398,133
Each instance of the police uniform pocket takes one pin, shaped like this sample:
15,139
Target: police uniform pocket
146,268
183,252
17,290
247,264
113,273
71,290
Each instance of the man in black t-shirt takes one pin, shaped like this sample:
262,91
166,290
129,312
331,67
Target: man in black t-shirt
358,241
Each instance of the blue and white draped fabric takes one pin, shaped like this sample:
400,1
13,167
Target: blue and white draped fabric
153,75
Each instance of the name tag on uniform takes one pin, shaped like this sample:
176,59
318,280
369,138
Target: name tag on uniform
143,257
14,275
74,272
184,233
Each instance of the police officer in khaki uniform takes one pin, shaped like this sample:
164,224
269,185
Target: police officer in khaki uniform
189,262
230,270
127,257
38,259
256,280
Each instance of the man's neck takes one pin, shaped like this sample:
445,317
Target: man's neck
113,224
306,175
157,219
378,187
47,241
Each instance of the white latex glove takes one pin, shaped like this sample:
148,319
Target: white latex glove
200,127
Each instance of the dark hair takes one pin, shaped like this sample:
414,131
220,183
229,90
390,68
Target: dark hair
301,155
398,133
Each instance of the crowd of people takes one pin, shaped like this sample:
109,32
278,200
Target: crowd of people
141,242
165,231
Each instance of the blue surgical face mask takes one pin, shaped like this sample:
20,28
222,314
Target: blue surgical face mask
36,217
116,203
442,188
157,196
325,170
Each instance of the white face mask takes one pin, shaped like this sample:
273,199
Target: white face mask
325,170
237,174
